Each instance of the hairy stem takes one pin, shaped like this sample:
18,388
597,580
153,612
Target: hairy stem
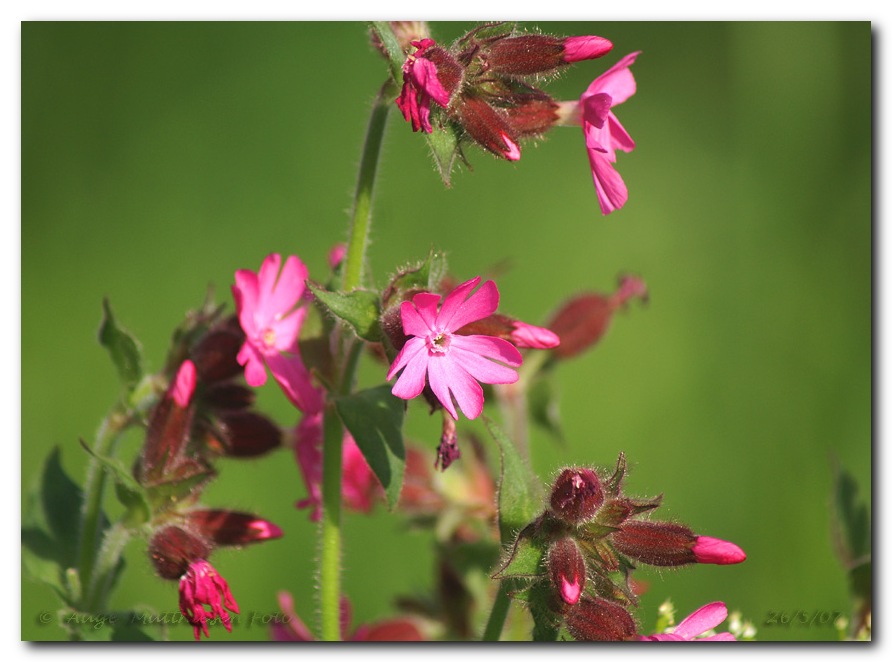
330,559
497,616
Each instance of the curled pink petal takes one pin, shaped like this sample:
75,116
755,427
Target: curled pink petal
533,337
720,552
184,384
577,49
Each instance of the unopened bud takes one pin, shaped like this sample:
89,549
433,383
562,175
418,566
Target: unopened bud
597,619
532,115
215,355
720,552
447,451
336,255
227,395
576,495
228,527
655,543
247,434
567,567
487,126
172,550
167,434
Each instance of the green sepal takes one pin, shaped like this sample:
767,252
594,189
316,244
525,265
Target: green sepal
122,347
168,495
129,492
445,145
395,55
524,560
375,419
425,275
359,308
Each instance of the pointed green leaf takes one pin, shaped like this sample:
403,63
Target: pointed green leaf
359,308
422,276
122,347
445,147
130,493
375,419
61,502
520,498
395,55
524,559
850,519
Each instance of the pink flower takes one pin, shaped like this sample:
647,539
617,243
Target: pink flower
292,627
701,621
200,586
267,306
452,364
420,85
603,132
720,552
359,487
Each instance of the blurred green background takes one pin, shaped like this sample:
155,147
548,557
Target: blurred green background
160,157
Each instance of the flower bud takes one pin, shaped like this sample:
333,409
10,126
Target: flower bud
227,395
215,354
447,451
576,495
532,114
530,54
246,434
169,427
520,334
228,527
184,384
172,550
597,619
720,552
655,543
588,47
487,126
567,567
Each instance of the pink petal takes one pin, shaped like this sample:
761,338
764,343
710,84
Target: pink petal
512,149
439,382
413,322
426,304
287,330
423,74
480,304
714,550
706,618
612,191
411,382
255,372
287,291
245,293
489,347
577,49
184,384
598,140
619,137
482,369
467,392
721,636
663,637
453,302
534,337
596,108
617,81
293,377
266,279
408,353
293,629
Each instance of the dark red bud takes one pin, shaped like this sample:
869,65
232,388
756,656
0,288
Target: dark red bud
525,55
580,323
487,126
597,619
228,395
246,434
655,543
168,431
215,354
532,115
394,630
228,527
449,71
567,567
576,495
172,550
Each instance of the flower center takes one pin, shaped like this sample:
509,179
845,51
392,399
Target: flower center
268,337
438,344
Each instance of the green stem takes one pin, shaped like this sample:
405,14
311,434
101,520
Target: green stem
362,202
94,488
116,539
348,360
330,560
498,614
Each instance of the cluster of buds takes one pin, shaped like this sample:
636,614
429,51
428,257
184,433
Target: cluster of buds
203,414
482,84
589,540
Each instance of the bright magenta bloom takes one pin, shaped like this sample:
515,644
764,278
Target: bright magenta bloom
200,586
703,620
359,487
715,550
267,306
420,85
452,364
603,132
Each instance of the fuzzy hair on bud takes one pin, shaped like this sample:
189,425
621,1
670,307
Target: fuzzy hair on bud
597,619
172,550
655,543
576,495
567,568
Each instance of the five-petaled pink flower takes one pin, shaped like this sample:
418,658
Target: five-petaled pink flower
201,585
452,364
420,85
698,623
603,132
267,306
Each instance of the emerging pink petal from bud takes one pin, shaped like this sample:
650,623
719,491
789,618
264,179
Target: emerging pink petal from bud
576,495
229,527
567,567
184,384
336,255
200,586
720,552
533,337
585,48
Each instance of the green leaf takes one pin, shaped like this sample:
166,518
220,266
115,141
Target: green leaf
850,519
166,495
122,347
525,558
542,403
445,146
359,308
423,276
395,55
375,419
129,492
520,497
